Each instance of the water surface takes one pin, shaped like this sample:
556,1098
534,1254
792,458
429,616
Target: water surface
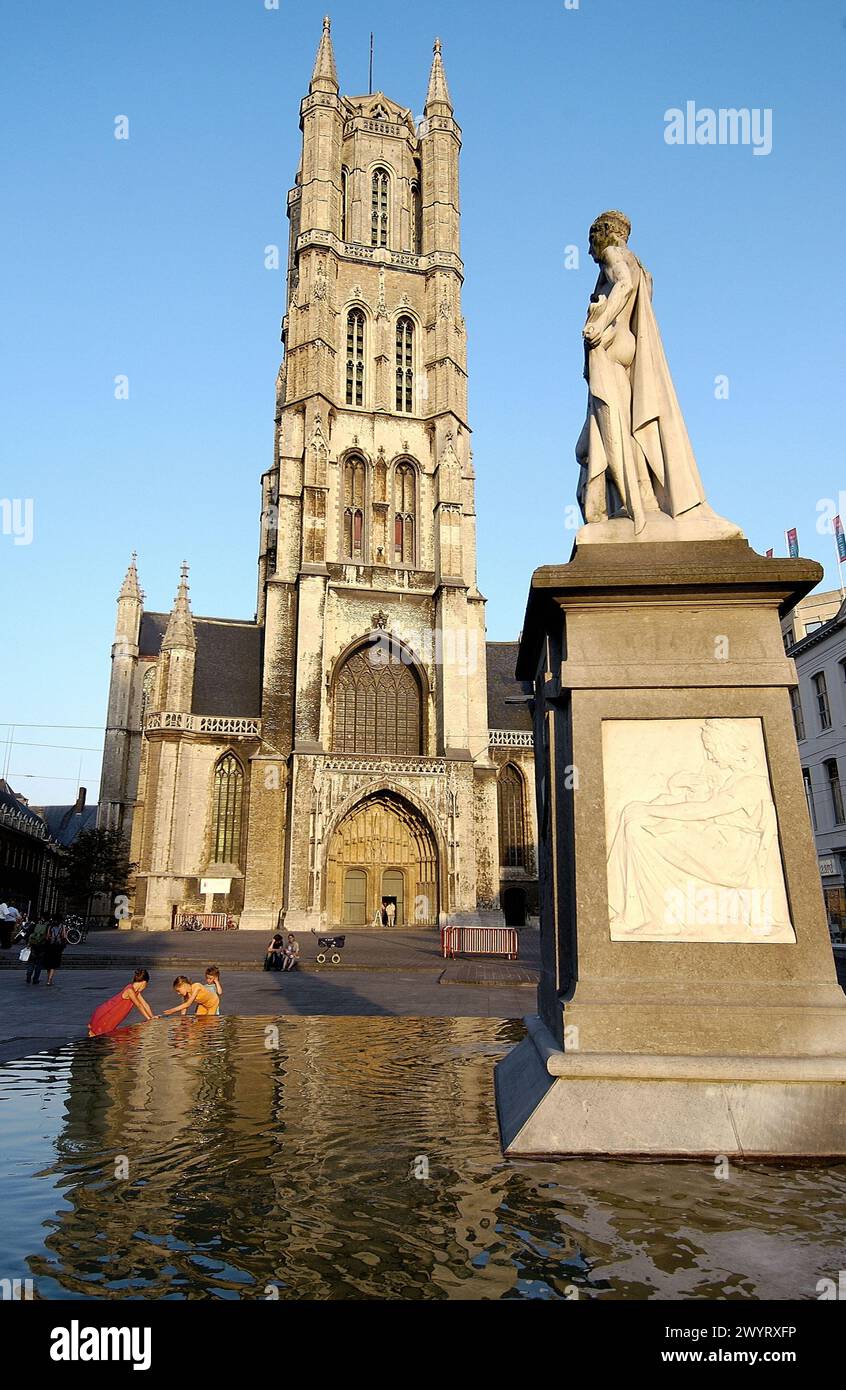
359,1158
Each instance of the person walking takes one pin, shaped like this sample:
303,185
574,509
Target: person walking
36,943
55,942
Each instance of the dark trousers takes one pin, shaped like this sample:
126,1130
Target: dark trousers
34,966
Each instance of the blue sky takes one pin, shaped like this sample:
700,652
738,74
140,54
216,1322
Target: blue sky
145,258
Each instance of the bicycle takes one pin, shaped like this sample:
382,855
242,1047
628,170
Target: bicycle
189,921
76,930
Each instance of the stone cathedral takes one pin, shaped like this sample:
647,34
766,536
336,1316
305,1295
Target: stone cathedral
358,743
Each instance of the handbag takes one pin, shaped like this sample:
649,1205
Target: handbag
25,954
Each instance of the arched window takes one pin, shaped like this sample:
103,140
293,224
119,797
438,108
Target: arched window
380,201
148,688
355,357
405,363
512,818
405,508
377,706
355,479
345,179
227,810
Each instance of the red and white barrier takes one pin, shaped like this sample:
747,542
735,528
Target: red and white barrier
479,941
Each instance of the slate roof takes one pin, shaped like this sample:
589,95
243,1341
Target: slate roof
65,822
227,671
10,802
227,674
503,687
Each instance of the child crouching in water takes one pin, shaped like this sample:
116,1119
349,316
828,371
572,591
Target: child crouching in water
107,1017
207,1000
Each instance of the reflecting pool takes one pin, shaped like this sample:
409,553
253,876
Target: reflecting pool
359,1158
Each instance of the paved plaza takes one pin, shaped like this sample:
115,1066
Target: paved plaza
398,975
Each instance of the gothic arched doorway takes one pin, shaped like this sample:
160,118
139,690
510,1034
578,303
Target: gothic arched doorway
383,850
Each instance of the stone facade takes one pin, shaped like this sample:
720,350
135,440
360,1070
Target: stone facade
819,716
336,756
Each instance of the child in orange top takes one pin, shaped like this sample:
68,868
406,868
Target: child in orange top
206,1000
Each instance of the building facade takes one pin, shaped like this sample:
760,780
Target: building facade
819,716
29,857
335,756
809,615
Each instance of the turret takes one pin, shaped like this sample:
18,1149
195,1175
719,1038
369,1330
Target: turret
119,729
322,124
130,603
441,144
179,648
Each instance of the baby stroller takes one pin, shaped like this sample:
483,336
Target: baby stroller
335,944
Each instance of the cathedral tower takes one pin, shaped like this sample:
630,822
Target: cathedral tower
374,779
329,763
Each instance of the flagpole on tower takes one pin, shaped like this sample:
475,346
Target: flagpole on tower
371,64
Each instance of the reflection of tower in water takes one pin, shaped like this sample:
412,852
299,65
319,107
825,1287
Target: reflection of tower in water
295,1164
295,1168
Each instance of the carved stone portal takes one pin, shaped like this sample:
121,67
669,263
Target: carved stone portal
382,850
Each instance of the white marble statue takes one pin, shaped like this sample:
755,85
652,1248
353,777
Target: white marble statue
693,851
639,479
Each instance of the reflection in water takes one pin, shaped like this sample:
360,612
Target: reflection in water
294,1167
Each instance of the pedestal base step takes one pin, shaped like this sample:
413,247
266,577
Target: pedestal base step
553,1104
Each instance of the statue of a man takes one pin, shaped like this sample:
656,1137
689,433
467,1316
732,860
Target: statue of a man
637,464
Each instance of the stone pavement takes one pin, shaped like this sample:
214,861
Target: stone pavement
33,1018
364,950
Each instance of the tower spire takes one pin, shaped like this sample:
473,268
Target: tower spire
438,102
325,75
130,588
180,626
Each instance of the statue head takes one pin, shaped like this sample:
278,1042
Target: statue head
609,229
731,744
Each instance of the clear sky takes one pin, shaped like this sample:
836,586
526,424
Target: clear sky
145,258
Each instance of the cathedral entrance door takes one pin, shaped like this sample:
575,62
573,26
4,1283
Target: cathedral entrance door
382,849
393,890
355,898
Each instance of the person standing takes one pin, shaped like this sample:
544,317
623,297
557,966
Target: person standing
213,980
391,913
54,945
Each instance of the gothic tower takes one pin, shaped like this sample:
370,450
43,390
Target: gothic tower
330,762
122,742
373,785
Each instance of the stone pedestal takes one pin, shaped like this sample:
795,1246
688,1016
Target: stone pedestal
688,999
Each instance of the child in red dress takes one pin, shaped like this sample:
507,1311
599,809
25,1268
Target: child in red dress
110,1015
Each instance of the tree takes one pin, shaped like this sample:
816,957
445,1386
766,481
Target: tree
96,862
